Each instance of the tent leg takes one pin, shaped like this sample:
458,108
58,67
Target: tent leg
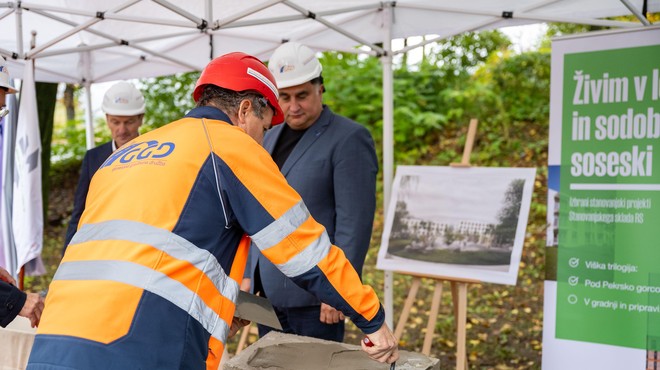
388,144
89,124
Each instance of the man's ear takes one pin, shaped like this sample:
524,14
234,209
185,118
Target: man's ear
242,112
243,109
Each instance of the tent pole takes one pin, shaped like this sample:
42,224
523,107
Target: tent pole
180,11
312,31
89,124
249,11
332,26
521,15
111,44
636,12
119,17
77,28
19,31
6,14
118,41
388,143
208,14
208,10
130,65
287,18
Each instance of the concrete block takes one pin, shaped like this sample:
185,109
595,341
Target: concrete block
277,351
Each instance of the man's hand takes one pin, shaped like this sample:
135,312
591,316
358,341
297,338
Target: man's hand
236,325
246,284
6,277
384,346
32,309
329,315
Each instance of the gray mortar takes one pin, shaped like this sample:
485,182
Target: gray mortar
277,351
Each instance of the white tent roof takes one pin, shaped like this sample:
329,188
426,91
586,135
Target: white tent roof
124,39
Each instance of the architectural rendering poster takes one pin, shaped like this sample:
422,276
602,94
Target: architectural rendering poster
457,223
602,297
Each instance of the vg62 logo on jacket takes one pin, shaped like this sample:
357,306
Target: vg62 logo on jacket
141,152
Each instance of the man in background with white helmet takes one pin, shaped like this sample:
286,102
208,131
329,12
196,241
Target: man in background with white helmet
123,105
331,162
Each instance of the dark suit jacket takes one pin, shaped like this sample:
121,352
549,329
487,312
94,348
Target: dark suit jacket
11,302
334,168
93,159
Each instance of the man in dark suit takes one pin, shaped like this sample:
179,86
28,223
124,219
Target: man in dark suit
123,105
331,162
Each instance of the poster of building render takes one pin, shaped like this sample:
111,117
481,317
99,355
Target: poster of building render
602,296
457,223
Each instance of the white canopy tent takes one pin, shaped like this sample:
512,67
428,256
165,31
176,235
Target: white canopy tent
88,41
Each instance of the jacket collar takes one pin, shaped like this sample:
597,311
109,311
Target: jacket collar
209,113
309,137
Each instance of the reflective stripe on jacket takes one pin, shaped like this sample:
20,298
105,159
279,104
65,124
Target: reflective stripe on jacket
150,279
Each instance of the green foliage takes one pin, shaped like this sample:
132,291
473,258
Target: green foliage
70,140
561,29
167,98
458,55
523,84
428,96
353,88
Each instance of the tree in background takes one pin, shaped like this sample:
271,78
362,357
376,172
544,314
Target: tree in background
507,218
69,101
428,95
46,98
167,98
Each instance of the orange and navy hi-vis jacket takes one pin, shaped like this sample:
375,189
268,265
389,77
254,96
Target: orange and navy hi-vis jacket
150,279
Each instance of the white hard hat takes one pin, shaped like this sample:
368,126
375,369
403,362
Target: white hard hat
123,99
294,64
4,77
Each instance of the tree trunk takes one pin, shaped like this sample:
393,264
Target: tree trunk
46,98
69,102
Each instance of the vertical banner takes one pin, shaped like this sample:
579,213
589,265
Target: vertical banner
7,187
27,217
603,309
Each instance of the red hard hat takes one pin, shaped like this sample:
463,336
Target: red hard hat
241,72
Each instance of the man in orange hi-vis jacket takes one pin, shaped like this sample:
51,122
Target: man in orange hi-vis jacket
150,279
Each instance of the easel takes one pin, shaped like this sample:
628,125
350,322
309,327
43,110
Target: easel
245,333
458,288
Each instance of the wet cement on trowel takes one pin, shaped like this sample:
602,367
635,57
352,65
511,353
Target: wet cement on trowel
305,356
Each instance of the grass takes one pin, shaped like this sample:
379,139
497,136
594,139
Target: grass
457,257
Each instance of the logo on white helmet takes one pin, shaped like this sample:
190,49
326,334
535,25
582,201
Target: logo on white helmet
121,100
287,68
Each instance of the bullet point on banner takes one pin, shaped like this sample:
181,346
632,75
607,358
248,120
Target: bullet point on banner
572,299
574,262
573,280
